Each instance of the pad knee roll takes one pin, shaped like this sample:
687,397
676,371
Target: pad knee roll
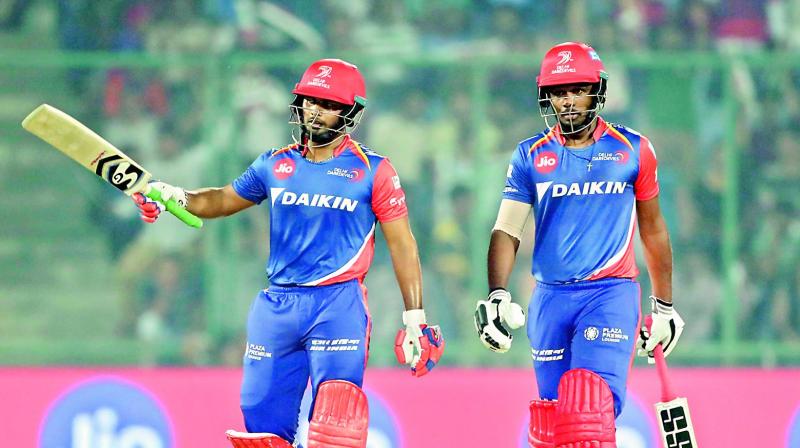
584,416
340,418
256,440
540,431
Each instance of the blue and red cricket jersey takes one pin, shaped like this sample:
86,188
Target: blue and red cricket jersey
313,321
585,310
323,215
583,201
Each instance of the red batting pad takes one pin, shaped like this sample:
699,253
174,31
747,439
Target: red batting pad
540,431
256,440
341,416
585,412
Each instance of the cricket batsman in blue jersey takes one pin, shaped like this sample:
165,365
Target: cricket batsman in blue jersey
327,193
588,183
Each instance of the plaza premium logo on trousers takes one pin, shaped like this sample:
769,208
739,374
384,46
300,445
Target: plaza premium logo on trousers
283,197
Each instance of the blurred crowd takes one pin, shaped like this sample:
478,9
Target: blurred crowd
451,154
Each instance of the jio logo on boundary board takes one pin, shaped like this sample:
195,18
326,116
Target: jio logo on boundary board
107,412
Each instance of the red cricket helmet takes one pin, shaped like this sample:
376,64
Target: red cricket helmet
333,80
571,63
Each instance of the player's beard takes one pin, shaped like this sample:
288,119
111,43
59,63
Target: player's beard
569,126
323,135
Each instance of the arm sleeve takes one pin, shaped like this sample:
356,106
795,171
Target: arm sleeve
251,184
512,216
518,181
646,185
388,197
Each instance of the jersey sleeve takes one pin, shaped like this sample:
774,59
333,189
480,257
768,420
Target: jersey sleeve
388,197
251,184
646,185
518,181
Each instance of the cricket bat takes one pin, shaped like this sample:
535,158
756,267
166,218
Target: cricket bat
672,412
82,145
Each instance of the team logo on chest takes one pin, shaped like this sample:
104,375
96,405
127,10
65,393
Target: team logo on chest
545,162
353,175
620,157
283,168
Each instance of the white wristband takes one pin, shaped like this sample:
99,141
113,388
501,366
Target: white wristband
414,318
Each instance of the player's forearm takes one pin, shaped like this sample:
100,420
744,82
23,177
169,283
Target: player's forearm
207,202
500,260
658,255
407,270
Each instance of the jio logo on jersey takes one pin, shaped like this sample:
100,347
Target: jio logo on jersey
106,412
283,168
545,162
384,431
635,426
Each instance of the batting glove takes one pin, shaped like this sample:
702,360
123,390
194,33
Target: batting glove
666,328
418,345
170,192
149,209
495,317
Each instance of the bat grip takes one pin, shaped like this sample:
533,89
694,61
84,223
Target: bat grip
175,208
661,368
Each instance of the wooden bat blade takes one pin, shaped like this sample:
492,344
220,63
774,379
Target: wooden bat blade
675,424
82,145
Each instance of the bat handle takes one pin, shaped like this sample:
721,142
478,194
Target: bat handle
661,368
175,208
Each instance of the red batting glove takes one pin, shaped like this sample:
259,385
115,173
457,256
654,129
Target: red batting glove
149,210
418,345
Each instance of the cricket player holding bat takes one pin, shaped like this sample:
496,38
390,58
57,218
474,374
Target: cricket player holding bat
327,192
588,182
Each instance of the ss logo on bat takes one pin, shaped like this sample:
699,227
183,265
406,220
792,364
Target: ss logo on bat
675,425
119,172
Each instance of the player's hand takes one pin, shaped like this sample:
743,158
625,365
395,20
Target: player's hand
495,317
149,210
418,345
170,192
666,328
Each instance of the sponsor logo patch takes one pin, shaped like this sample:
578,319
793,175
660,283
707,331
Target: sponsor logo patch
284,168
283,197
545,162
